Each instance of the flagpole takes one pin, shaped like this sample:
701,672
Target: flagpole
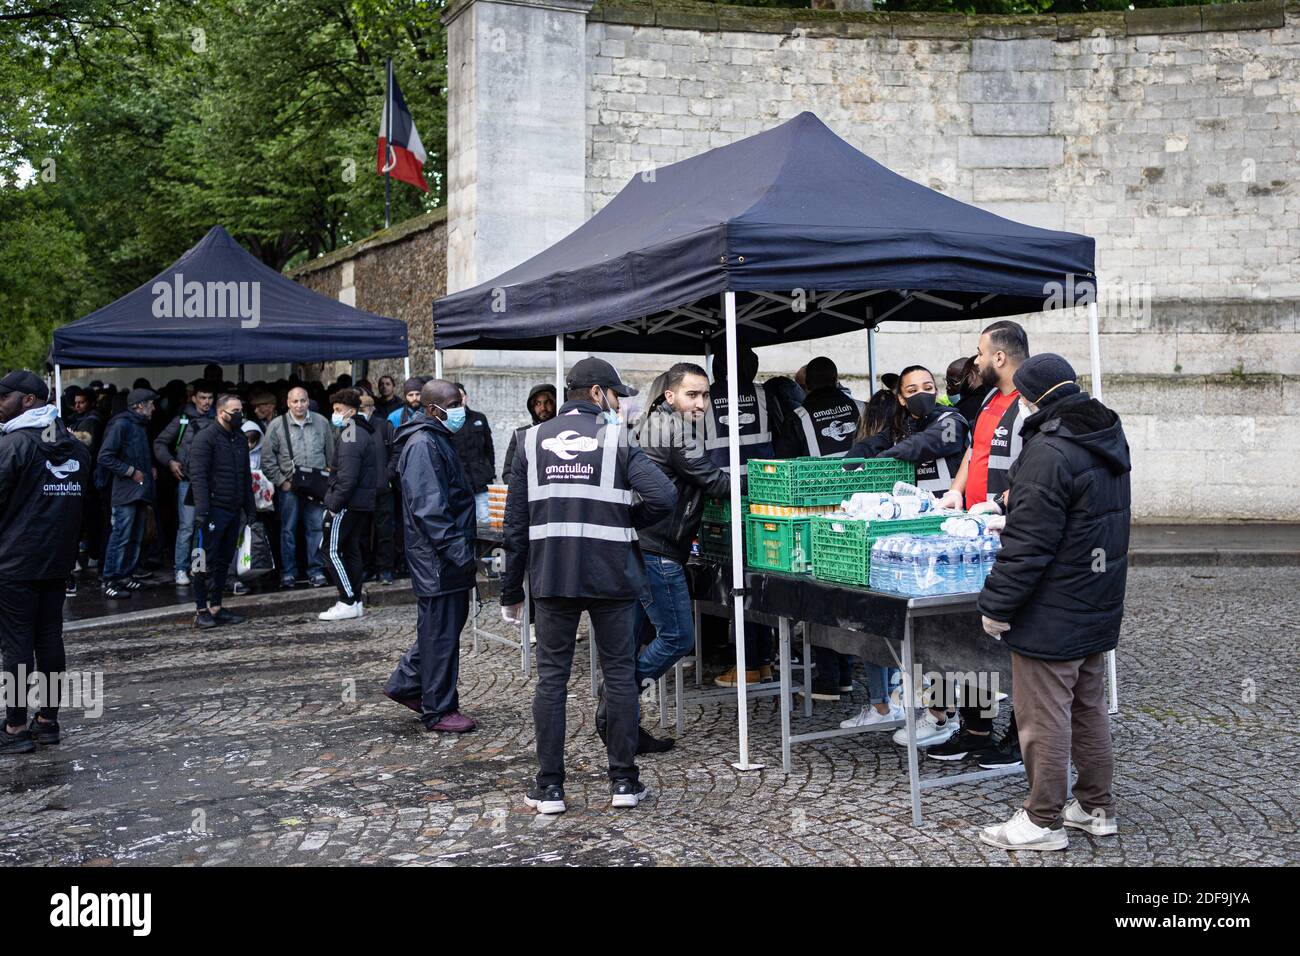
388,140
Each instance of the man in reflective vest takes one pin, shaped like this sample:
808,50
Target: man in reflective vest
754,421
825,424
570,522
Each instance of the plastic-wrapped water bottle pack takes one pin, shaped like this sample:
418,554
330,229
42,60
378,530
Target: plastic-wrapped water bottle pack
926,565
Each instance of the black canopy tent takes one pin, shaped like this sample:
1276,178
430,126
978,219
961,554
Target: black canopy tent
790,234
218,303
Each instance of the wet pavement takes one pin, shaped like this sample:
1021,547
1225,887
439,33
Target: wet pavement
270,743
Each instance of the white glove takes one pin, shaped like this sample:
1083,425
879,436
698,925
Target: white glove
951,500
996,523
513,613
994,629
985,507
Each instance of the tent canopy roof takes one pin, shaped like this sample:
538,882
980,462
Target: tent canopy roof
815,237
219,303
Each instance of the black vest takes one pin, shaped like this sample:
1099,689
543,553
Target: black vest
830,422
1004,447
755,433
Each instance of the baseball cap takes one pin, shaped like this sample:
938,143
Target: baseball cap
140,395
21,380
594,371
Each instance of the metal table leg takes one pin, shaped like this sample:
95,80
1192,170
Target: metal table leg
699,670
679,680
783,631
909,707
807,671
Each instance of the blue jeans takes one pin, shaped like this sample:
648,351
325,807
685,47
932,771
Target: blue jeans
880,681
123,550
184,529
294,511
666,602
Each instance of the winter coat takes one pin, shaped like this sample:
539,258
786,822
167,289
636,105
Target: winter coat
474,446
1060,577
662,438
186,426
220,475
439,529
312,441
126,446
518,433
356,468
44,477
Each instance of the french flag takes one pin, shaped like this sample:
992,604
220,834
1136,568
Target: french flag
401,154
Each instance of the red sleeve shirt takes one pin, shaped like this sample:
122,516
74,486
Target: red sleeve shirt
977,475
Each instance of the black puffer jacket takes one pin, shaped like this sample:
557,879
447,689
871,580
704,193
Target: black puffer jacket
661,437
186,426
474,446
1060,576
356,468
219,472
518,433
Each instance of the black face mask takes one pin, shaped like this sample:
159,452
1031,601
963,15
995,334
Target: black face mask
236,420
921,404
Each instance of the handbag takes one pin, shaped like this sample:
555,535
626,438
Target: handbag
310,483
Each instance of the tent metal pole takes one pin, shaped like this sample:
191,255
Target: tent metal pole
871,357
437,363
708,360
559,370
58,390
1094,344
737,524
406,367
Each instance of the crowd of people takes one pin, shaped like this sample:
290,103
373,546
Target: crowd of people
600,518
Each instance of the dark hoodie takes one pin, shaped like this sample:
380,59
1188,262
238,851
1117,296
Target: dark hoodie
1060,576
44,475
518,432
438,525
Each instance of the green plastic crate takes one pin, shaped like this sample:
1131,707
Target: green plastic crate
778,544
803,482
842,549
715,541
718,510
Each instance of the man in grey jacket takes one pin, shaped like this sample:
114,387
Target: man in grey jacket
300,438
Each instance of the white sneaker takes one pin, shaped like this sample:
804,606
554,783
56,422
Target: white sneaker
341,612
182,579
869,717
929,732
1021,833
1096,823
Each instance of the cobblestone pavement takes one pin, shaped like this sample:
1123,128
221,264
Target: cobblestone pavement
245,746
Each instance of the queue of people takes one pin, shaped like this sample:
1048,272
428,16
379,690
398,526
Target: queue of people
599,519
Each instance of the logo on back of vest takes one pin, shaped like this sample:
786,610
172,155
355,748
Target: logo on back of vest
568,445
63,468
838,431
1000,431
745,419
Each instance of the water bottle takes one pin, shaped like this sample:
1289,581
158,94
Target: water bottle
877,553
971,578
953,553
989,547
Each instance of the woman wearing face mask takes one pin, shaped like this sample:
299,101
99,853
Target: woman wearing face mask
932,436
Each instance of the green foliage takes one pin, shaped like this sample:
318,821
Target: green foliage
163,118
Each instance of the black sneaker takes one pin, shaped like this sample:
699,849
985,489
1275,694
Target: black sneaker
70,586
546,799
647,744
115,590
131,584
236,587
204,621
964,745
1006,755
287,584
822,691
19,743
625,793
45,733
228,617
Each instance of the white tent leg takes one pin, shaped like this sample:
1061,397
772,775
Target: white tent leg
1094,343
871,358
559,371
737,525
58,390
406,367
708,360
437,363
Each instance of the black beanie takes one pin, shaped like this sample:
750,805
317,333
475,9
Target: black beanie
1044,378
413,384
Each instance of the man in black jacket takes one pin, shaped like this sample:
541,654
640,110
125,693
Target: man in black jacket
222,485
378,546
438,510
667,436
127,467
43,475
171,449
571,523
541,408
1056,596
474,445
825,424
349,503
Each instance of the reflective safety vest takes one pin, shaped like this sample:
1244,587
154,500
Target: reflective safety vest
936,474
581,542
830,421
1004,448
754,432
